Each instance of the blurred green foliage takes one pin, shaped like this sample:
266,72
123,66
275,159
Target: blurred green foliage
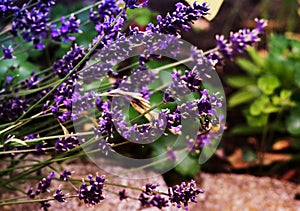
269,91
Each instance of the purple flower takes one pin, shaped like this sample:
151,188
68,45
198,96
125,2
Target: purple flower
40,148
238,42
149,198
33,23
65,175
66,144
7,7
106,10
12,108
103,17
122,194
42,187
131,4
63,66
182,17
70,26
59,196
92,194
7,52
44,184
45,205
81,103
30,193
63,95
184,193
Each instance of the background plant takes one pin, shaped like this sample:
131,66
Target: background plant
268,92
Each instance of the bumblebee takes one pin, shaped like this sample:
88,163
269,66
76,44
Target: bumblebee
209,123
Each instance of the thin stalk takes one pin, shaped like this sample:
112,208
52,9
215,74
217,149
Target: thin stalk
263,143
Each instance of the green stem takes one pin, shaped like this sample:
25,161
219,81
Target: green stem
263,143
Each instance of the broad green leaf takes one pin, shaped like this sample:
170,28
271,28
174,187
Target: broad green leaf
257,58
270,109
22,57
257,107
240,97
248,66
239,81
256,121
284,99
188,167
268,84
26,68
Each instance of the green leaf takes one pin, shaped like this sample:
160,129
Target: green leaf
271,109
293,122
268,84
239,81
22,57
240,97
248,66
284,99
26,68
256,108
258,59
188,167
256,121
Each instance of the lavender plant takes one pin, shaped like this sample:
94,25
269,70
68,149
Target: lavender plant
43,112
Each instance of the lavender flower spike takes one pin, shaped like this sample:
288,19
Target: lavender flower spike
238,41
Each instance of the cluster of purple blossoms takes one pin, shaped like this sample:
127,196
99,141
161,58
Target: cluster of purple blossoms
65,175
92,194
62,33
66,144
12,107
64,65
42,186
45,205
7,7
131,4
149,198
238,42
182,18
103,17
184,193
63,94
59,196
32,23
